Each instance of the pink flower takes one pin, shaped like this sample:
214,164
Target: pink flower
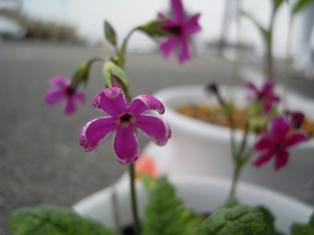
265,94
63,90
124,119
296,118
279,138
180,30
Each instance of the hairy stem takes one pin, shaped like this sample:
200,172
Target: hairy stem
136,220
235,179
121,53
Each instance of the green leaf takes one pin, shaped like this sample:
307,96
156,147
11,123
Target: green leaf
300,5
165,213
52,220
304,229
110,33
152,28
113,72
264,32
238,220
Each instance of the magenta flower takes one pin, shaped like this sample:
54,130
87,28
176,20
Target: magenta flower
180,29
296,118
265,94
124,119
279,138
63,90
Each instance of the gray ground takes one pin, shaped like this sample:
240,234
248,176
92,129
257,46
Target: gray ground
41,160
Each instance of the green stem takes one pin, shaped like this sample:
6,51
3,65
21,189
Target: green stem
121,53
136,220
235,178
269,50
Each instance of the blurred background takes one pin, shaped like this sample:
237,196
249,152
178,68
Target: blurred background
41,160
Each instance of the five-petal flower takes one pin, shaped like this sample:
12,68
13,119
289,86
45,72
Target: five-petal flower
63,90
180,29
279,138
124,119
265,94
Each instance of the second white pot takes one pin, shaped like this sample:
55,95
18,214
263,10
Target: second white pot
199,148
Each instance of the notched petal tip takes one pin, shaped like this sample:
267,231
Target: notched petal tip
144,102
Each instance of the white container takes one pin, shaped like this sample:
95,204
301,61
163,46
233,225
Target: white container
202,149
202,194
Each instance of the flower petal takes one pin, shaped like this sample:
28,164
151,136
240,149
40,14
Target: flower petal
144,102
110,100
295,138
53,96
263,158
185,53
70,106
80,96
95,130
177,9
263,142
279,128
168,45
158,130
59,81
125,145
192,25
281,159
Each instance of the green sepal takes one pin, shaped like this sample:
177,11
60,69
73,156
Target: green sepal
238,220
110,33
153,29
165,212
304,229
113,71
52,220
81,75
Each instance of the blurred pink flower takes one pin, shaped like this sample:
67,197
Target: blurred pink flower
276,142
265,94
124,119
63,90
180,29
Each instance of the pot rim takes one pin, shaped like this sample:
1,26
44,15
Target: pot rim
200,129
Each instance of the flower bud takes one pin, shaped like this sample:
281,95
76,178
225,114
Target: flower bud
110,34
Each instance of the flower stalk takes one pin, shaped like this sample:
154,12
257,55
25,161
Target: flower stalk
136,221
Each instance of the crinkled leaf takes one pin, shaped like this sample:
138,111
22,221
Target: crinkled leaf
238,220
112,71
304,229
165,212
152,28
110,33
300,5
52,220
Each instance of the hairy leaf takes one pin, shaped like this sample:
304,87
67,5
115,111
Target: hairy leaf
52,220
238,220
304,229
165,213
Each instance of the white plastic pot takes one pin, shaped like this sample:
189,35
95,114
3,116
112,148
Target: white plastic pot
203,194
202,149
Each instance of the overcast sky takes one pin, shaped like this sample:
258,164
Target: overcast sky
88,16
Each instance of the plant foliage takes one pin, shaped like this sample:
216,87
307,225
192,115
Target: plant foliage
52,220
